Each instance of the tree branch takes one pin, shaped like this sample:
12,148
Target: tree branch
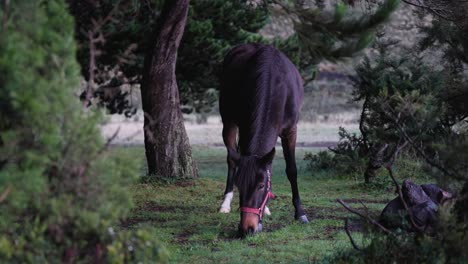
367,218
95,36
353,243
5,193
400,194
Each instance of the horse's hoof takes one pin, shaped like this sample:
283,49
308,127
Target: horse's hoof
225,210
303,219
267,211
260,227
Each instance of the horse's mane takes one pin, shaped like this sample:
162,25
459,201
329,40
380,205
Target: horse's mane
262,65
246,178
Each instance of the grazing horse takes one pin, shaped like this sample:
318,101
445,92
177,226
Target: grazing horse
260,98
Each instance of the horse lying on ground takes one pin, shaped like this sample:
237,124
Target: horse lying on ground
260,98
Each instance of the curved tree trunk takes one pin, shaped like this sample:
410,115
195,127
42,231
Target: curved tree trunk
168,151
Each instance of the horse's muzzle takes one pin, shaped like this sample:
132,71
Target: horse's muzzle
250,230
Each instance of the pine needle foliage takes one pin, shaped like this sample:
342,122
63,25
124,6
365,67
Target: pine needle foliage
61,195
338,33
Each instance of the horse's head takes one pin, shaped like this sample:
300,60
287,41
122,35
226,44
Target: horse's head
252,178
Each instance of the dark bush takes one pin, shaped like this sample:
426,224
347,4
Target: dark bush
448,245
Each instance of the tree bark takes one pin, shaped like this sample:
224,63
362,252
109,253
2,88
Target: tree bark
167,146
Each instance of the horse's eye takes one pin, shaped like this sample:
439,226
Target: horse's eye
261,186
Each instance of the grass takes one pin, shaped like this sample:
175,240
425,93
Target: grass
187,222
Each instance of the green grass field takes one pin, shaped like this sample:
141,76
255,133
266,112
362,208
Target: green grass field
188,224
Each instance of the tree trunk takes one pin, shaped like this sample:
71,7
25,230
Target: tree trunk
167,146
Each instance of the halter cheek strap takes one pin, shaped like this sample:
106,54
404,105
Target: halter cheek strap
269,195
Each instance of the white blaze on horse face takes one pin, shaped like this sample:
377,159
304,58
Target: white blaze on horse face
226,205
266,211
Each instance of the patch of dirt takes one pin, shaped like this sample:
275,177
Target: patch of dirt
317,212
153,206
364,201
316,237
333,217
229,234
271,227
354,225
187,183
131,221
182,238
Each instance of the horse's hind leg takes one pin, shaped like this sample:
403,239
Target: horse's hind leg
229,138
288,141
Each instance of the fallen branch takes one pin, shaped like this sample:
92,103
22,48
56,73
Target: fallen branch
353,243
5,193
400,194
367,218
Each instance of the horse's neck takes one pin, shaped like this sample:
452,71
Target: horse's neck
258,139
260,128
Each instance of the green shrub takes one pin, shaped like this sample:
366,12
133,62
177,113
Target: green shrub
60,193
347,158
323,160
350,153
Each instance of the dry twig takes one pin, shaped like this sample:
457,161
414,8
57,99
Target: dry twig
353,243
367,218
5,193
400,194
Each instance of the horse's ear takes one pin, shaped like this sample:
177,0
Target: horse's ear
268,158
233,156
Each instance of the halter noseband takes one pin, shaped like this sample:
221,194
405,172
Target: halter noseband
269,195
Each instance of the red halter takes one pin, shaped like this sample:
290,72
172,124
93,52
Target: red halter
269,195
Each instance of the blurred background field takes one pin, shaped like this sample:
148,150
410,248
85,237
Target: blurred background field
310,134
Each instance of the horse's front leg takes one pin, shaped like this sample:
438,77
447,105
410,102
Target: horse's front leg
229,138
288,141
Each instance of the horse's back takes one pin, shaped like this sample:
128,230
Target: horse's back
251,70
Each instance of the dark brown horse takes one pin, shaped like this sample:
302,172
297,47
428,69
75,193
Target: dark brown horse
260,98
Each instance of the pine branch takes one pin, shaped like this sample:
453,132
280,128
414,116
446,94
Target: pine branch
338,34
421,152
